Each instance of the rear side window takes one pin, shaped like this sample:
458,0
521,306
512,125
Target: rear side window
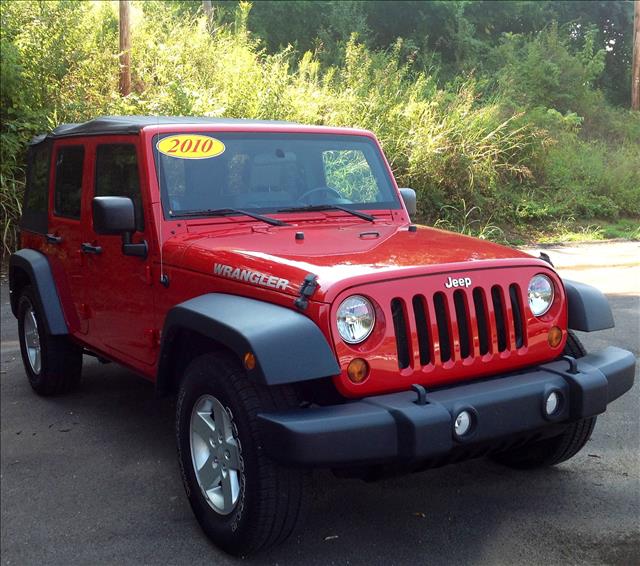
36,196
117,176
68,188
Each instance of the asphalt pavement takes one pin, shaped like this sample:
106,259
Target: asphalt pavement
92,478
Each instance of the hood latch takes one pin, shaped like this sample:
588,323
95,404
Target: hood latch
307,289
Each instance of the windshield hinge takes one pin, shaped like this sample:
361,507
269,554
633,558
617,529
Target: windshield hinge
307,289
545,257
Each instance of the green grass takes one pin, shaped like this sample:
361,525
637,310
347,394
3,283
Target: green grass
574,231
625,228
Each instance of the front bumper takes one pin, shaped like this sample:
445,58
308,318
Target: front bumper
395,429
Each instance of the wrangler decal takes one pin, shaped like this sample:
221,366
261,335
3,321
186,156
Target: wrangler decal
253,277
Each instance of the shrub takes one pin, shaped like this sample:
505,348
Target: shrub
543,71
542,146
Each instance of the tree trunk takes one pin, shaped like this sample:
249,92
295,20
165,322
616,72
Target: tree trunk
635,65
125,49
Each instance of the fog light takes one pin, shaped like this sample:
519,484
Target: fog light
358,370
462,424
555,336
552,404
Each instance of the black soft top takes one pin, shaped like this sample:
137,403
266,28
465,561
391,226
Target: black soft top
133,125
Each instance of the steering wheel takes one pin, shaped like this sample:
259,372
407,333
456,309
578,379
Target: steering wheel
328,190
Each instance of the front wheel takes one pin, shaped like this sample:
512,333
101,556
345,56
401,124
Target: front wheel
243,501
552,451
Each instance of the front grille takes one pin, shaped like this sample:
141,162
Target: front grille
400,328
482,319
465,324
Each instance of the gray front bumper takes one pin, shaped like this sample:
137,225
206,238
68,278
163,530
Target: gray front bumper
395,429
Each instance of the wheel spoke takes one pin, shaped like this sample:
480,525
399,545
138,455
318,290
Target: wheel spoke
232,455
203,426
220,417
209,475
227,489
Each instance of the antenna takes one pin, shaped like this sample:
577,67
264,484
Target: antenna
164,279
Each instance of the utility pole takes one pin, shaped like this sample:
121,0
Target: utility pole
125,48
635,65
208,9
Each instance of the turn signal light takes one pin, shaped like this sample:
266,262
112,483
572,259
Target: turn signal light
358,370
554,337
249,361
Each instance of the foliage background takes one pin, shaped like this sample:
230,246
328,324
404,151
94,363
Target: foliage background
508,118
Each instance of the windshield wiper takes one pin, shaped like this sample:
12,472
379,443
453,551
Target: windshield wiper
227,212
322,207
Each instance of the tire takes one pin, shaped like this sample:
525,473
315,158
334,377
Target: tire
552,451
53,363
267,502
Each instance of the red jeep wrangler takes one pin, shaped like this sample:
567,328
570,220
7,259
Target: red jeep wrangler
269,274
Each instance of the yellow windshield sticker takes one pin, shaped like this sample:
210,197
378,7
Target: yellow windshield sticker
190,146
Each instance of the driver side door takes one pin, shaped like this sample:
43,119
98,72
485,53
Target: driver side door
119,291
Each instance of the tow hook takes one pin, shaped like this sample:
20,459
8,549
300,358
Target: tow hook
573,364
422,394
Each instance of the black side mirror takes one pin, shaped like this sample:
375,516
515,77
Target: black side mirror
409,198
113,215
116,216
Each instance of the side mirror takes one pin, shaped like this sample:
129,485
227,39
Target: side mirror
409,198
115,216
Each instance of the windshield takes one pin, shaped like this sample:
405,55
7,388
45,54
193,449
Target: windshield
270,172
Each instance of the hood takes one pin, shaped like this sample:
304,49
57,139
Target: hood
340,256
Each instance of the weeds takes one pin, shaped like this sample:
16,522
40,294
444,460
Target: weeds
11,190
480,164
468,221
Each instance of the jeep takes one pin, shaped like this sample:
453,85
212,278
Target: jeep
269,275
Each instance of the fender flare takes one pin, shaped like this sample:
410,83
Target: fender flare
288,346
36,266
588,308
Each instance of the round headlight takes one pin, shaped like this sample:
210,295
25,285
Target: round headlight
540,294
356,318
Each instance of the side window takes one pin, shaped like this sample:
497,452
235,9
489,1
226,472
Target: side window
349,173
36,196
117,176
68,187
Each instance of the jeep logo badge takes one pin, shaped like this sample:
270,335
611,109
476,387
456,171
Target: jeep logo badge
460,282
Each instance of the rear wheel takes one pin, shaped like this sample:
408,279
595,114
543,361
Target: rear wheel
243,501
552,451
53,363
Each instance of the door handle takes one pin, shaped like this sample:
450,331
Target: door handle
89,249
53,239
